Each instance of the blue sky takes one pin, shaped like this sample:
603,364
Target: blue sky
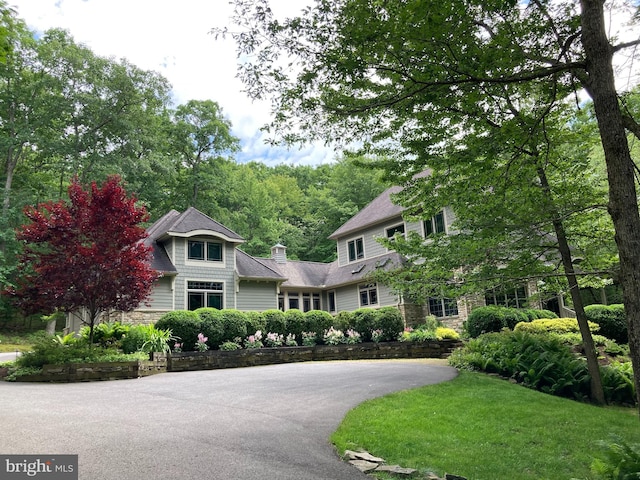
173,39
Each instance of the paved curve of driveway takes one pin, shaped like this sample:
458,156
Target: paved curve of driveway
250,423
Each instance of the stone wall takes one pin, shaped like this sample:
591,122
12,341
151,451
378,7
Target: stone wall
86,372
177,362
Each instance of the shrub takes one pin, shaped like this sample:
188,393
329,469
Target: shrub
133,341
107,334
365,321
333,336
318,321
230,346
484,320
390,321
612,321
255,322
555,325
184,324
275,321
443,333
296,323
234,324
418,335
343,321
513,316
212,325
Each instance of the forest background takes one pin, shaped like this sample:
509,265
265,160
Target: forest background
66,112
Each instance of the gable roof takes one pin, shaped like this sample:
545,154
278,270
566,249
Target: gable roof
360,271
250,268
299,273
379,210
192,222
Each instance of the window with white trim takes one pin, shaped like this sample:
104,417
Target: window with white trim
368,294
395,230
205,294
514,297
434,225
355,248
331,296
204,251
443,307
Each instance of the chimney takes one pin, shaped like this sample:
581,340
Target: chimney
279,253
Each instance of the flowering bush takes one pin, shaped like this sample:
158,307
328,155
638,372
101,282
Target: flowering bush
274,339
291,340
309,339
377,335
333,336
352,337
177,347
201,343
254,341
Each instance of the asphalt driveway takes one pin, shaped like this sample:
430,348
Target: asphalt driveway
250,423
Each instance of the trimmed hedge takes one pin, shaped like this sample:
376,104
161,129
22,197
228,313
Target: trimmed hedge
553,325
391,323
184,324
275,322
296,323
612,321
493,318
235,325
365,321
318,321
212,325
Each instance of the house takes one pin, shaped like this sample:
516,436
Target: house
202,264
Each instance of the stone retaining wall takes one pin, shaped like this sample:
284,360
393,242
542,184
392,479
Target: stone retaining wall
178,362
215,359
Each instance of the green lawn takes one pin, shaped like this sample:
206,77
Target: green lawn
485,428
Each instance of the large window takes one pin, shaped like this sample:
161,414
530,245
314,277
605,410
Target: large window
398,229
356,249
332,301
205,294
443,307
514,297
368,294
310,301
434,225
205,251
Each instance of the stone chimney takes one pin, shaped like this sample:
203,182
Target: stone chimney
279,253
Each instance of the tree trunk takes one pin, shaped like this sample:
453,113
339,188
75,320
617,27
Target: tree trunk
590,352
623,200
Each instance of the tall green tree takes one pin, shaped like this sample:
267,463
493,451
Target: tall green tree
410,76
202,139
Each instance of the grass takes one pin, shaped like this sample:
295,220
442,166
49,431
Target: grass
23,342
485,428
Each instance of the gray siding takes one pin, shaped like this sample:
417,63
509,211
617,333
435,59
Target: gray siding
161,296
204,271
256,296
372,248
348,297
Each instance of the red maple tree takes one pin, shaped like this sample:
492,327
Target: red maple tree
87,253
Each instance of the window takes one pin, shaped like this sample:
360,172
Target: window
332,301
205,251
316,301
515,297
368,294
434,225
356,249
281,302
443,307
294,300
306,302
392,231
205,294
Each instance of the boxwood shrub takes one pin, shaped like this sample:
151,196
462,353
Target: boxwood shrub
184,324
390,321
343,321
296,323
612,321
553,325
318,321
494,318
275,321
212,325
234,323
365,321
255,322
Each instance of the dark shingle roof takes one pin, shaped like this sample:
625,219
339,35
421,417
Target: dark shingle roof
251,268
379,210
359,271
298,273
192,220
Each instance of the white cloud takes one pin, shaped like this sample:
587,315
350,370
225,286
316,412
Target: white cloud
173,38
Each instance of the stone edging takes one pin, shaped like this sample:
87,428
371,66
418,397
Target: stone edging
367,463
216,359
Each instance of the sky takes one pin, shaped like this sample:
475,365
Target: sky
173,38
